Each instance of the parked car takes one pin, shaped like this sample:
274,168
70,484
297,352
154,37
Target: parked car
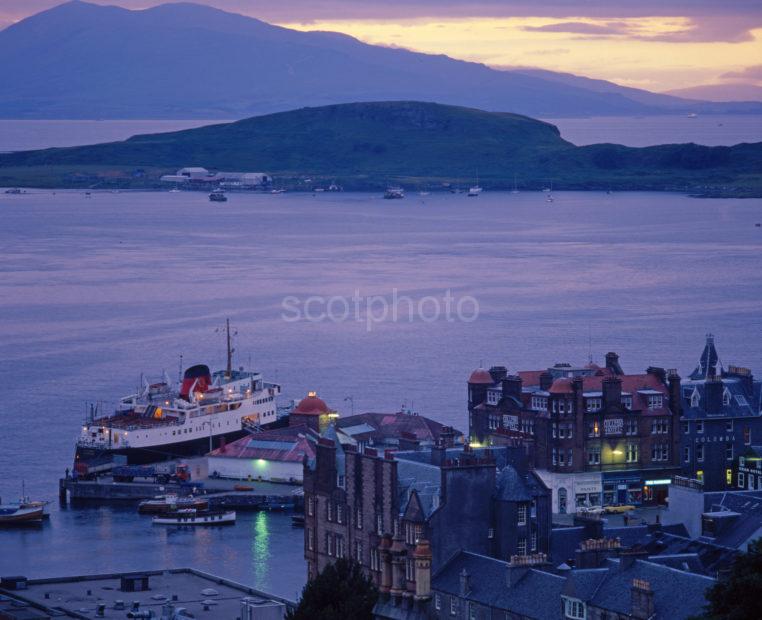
618,509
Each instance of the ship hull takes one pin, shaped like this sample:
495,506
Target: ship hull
155,454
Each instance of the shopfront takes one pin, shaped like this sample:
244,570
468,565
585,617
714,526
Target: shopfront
587,491
622,488
656,490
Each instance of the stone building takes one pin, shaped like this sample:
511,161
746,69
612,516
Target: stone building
379,507
597,435
721,421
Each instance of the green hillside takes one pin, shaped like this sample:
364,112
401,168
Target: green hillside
367,145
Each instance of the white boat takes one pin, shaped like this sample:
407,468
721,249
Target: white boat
200,413
218,196
17,514
192,516
474,191
174,190
394,193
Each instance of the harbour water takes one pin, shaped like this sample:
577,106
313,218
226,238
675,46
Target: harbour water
95,291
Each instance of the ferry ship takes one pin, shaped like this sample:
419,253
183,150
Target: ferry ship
163,422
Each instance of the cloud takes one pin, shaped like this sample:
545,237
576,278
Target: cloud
605,29
557,51
753,73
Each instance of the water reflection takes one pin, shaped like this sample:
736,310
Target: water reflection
260,546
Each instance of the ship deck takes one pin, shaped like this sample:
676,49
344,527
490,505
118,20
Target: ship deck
131,421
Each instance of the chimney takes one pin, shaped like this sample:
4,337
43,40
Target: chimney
612,363
422,557
465,583
675,397
658,372
627,558
713,389
512,386
642,598
612,392
593,552
546,380
498,373
593,526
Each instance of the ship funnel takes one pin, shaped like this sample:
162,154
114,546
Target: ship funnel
198,375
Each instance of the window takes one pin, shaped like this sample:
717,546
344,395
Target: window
655,401
329,544
310,506
329,510
358,551
555,456
741,400
471,611
632,452
522,514
700,426
687,454
631,427
726,397
594,455
561,460
574,609
453,606
555,430
534,541
311,539
660,452
375,559
410,570
741,479
747,436
700,452
521,547
491,533
569,455
660,426
593,404
593,429
340,547
627,401
561,406
340,513
700,475
380,525
695,399
358,518
728,477
729,451
437,601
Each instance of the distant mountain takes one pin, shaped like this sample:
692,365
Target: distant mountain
82,60
721,92
367,145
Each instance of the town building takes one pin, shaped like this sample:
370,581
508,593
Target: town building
276,454
196,177
378,507
721,420
730,519
174,594
597,435
629,586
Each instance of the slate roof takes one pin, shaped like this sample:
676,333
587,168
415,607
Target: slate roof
384,427
708,360
535,595
513,486
613,591
748,523
537,592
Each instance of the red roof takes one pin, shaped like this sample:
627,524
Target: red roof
312,405
530,377
561,386
482,376
288,444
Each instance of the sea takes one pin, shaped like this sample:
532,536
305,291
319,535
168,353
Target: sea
378,305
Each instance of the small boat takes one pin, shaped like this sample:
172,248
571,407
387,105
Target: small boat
297,520
191,516
394,193
277,504
13,190
692,115
218,195
474,191
243,487
18,514
549,198
174,190
424,193
171,503
277,191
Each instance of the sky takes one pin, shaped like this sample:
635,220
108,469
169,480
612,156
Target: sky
652,44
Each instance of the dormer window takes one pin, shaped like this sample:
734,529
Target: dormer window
695,399
627,401
574,609
655,401
594,404
726,397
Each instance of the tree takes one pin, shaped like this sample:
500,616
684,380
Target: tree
739,596
340,592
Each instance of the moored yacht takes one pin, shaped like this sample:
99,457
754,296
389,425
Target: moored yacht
393,193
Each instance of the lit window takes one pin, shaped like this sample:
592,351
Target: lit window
729,477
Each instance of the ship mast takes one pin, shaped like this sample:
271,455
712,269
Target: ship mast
230,350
